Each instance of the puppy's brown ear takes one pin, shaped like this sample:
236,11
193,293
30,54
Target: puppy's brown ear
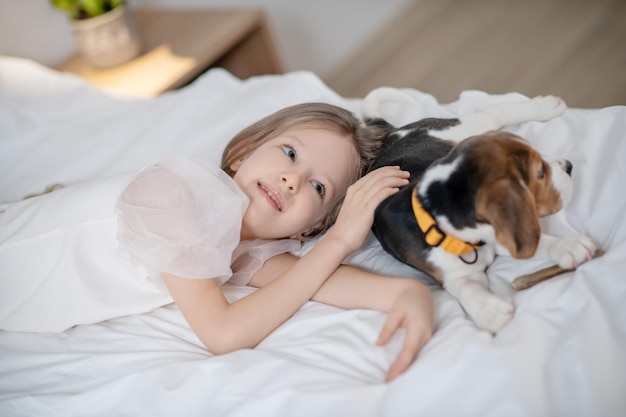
510,208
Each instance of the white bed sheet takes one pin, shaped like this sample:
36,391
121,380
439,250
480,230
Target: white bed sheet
564,353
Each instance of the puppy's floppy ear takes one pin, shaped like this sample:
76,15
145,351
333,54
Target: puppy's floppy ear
510,208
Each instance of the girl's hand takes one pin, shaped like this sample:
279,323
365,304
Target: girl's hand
409,312
357,212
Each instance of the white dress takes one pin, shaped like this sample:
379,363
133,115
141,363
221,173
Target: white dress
94,251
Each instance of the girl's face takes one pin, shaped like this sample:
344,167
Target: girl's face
293,180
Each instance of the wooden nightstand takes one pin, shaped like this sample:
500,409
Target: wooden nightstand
179,45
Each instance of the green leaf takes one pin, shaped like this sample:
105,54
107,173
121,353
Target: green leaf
116,3
83,9
68,6
92,8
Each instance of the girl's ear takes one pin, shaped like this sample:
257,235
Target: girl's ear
236,165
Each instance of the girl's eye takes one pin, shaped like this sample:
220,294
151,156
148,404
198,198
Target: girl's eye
321,190
289,151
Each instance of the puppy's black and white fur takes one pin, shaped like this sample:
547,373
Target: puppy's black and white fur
477,192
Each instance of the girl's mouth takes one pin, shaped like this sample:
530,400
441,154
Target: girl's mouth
271,196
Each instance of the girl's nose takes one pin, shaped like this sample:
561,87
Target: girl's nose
291,181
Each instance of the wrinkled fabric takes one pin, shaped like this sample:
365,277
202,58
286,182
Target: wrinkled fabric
95,250
563,354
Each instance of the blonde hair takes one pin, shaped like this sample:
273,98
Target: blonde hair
367,141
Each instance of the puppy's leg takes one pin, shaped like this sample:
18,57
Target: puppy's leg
567,252
538,109
500,115
489,311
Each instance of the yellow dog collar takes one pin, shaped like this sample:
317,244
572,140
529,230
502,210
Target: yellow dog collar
434,236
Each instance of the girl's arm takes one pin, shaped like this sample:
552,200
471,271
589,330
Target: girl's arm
225,327
407,301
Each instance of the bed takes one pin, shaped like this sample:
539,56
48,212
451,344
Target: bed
563,354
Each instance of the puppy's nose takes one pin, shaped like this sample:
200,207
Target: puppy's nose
568,167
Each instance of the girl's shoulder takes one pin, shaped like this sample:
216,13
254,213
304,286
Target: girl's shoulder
180,182
182,216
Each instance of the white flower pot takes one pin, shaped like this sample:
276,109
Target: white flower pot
107,40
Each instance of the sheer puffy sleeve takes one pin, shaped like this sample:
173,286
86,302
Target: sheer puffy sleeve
250,256
182,217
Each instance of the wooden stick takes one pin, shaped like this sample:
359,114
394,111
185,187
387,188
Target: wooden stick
526,281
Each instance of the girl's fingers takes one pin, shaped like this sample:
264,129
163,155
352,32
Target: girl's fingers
385,173
403,361
378,185
363,197
407,353
413,342
375,175
389,328
416,334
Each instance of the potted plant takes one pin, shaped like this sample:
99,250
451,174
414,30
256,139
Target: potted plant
104,30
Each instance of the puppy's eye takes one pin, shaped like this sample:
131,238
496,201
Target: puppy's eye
541,174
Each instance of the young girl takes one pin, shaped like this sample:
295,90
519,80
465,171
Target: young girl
192,227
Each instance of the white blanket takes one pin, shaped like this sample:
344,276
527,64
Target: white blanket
564,353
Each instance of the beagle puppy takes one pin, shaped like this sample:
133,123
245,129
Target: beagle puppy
474,192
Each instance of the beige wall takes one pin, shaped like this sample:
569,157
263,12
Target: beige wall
310,35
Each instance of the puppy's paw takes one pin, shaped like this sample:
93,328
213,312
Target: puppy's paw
570,252
547,107
496,311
